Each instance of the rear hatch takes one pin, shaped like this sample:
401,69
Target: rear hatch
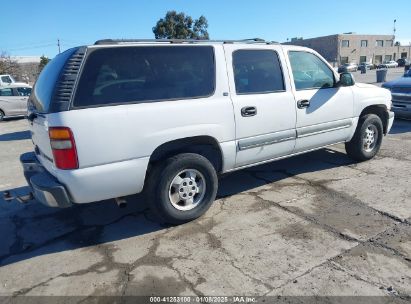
52,94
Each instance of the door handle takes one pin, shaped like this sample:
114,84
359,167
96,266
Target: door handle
248,111
304,103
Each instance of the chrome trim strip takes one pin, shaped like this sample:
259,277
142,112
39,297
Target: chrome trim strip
324,127
279,158
267,139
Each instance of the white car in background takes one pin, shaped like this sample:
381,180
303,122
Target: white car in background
388,64
13,100
7,79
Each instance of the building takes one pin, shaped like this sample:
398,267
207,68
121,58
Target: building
350,47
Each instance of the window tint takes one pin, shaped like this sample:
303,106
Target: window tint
310,72
145,74
6,92
24,91
257,71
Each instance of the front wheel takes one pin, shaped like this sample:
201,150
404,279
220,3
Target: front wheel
367,139
182,188
1,115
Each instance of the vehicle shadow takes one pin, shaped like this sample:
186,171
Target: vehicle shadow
401,126
32,230
20,135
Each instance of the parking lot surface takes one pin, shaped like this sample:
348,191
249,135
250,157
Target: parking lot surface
316,224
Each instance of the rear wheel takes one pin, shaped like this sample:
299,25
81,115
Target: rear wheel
182,188
367,139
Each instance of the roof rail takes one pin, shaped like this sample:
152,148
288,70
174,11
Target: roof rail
124,41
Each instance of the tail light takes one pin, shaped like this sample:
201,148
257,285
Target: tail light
64,148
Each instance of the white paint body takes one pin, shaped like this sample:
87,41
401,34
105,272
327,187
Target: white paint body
114,143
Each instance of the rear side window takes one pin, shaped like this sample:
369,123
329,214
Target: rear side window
6,92
257,71
145,74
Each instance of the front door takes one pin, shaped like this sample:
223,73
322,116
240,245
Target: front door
263,103
324,110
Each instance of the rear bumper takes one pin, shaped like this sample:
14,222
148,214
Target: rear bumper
46,189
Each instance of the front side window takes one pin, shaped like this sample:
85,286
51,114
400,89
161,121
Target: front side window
257,71
310,72
345,43
6,92
146,74
24,91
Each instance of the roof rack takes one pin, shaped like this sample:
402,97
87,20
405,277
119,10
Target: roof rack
193,41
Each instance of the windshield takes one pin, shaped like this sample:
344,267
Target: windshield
44,88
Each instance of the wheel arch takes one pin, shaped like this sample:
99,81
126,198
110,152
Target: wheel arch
206,146
381,111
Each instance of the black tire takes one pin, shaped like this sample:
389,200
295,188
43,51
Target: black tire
356,148
1,115
159,187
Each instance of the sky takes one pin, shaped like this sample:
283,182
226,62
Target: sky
35,31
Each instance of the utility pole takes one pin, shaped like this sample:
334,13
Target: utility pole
395,21
58,44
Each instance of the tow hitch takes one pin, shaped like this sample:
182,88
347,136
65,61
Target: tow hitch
9,196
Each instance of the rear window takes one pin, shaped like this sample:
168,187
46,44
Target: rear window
145,74
45,84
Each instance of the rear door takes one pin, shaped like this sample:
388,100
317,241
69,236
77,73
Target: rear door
324,110
9,102
263,103
42,100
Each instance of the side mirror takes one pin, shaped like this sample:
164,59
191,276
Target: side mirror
346,80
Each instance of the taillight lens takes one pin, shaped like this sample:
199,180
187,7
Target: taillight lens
63,147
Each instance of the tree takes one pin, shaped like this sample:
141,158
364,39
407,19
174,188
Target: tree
43,61
180,26
8,65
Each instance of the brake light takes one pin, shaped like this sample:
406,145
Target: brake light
63,147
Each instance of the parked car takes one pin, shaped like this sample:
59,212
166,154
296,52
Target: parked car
176,115
13,100
367,65
403,62
388,64
401,94
348,67
6,80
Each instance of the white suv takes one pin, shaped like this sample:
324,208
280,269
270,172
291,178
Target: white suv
114,118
